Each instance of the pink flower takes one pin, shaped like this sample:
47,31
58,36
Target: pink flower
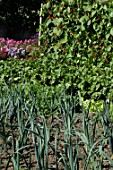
2,40
25,41
4,54
18,42
22,59
15,56
4,48
10,41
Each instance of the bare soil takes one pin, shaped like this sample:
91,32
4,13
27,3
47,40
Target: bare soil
56,123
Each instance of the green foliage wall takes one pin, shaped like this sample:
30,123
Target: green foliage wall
76,46
82,30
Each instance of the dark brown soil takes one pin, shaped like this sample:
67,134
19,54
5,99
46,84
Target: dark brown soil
57,123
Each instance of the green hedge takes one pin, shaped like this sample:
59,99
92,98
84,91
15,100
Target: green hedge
92,81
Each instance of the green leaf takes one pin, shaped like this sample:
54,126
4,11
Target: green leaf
84,18
104,1
93,13
93,87
70,2
88,8
64,40
107,36
48,22
82,28
47,5
97,86
57,31
57,21
68,9
95,26
111,14
108,48
89,22
111,31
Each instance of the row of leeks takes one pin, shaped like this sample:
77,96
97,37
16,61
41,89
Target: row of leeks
24,127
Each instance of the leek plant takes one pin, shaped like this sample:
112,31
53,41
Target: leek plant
68,111
107,123
24,125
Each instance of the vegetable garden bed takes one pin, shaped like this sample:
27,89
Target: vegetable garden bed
63,140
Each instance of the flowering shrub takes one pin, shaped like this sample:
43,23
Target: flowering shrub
82,33
76,46
17,49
